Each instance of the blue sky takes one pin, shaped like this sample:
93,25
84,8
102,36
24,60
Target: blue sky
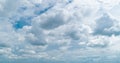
61,31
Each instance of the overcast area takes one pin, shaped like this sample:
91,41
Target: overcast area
59,31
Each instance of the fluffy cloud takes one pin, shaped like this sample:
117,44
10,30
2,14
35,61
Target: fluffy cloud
59,31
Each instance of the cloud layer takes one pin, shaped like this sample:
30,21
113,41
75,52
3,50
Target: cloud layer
59,31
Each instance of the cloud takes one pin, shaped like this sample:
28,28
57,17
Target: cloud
100,26
52,21
58,31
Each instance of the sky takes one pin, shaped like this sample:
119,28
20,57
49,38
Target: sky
59,31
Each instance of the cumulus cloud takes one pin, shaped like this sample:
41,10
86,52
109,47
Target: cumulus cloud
59,31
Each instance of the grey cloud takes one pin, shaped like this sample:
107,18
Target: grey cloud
51,22
36,38
104,22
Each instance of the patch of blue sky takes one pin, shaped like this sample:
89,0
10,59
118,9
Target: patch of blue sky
23,21
41,11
